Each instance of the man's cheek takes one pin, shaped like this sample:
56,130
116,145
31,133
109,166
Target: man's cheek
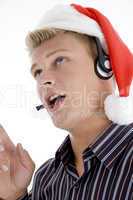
40,92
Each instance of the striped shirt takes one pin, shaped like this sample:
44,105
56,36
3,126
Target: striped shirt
108,175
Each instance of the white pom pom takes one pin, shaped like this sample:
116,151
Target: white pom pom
119,109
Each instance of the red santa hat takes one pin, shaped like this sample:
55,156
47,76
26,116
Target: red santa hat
89,21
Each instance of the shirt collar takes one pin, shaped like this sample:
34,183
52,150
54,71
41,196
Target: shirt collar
64,152
107,147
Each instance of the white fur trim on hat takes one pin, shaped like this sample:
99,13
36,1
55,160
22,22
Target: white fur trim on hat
66,17
119,109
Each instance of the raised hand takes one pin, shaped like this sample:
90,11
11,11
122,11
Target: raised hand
16,168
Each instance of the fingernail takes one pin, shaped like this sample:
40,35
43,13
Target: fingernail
21,147
4,168
1,148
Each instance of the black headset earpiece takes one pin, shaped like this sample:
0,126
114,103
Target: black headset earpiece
102,65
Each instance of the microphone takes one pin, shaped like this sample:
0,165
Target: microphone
40,107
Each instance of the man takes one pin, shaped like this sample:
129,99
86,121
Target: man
76,57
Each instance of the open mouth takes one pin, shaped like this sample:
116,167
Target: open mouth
55,103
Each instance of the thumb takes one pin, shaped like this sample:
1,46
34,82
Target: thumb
25,158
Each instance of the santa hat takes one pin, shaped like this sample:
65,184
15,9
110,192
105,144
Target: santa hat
89,21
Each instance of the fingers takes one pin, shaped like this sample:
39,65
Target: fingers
4,167
25,158
4,161
5,139
22,154
1,147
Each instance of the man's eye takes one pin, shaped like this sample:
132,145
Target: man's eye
59,60
38,71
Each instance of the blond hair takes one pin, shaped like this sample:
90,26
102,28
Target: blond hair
36,38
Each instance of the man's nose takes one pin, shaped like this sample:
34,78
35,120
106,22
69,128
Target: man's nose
47,80
44,87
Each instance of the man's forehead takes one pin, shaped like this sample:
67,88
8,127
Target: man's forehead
60,42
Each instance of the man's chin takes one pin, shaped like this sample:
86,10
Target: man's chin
65,120
61,124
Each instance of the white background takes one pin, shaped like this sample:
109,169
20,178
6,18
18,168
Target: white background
18,95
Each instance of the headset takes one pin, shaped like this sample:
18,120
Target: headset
102,66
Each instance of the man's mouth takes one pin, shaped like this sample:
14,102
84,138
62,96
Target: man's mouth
55,102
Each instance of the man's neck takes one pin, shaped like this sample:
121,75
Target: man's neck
86,134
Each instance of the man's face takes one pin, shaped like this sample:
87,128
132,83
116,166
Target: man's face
70,71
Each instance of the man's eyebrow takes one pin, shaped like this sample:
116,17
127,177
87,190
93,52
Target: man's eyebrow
47,56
